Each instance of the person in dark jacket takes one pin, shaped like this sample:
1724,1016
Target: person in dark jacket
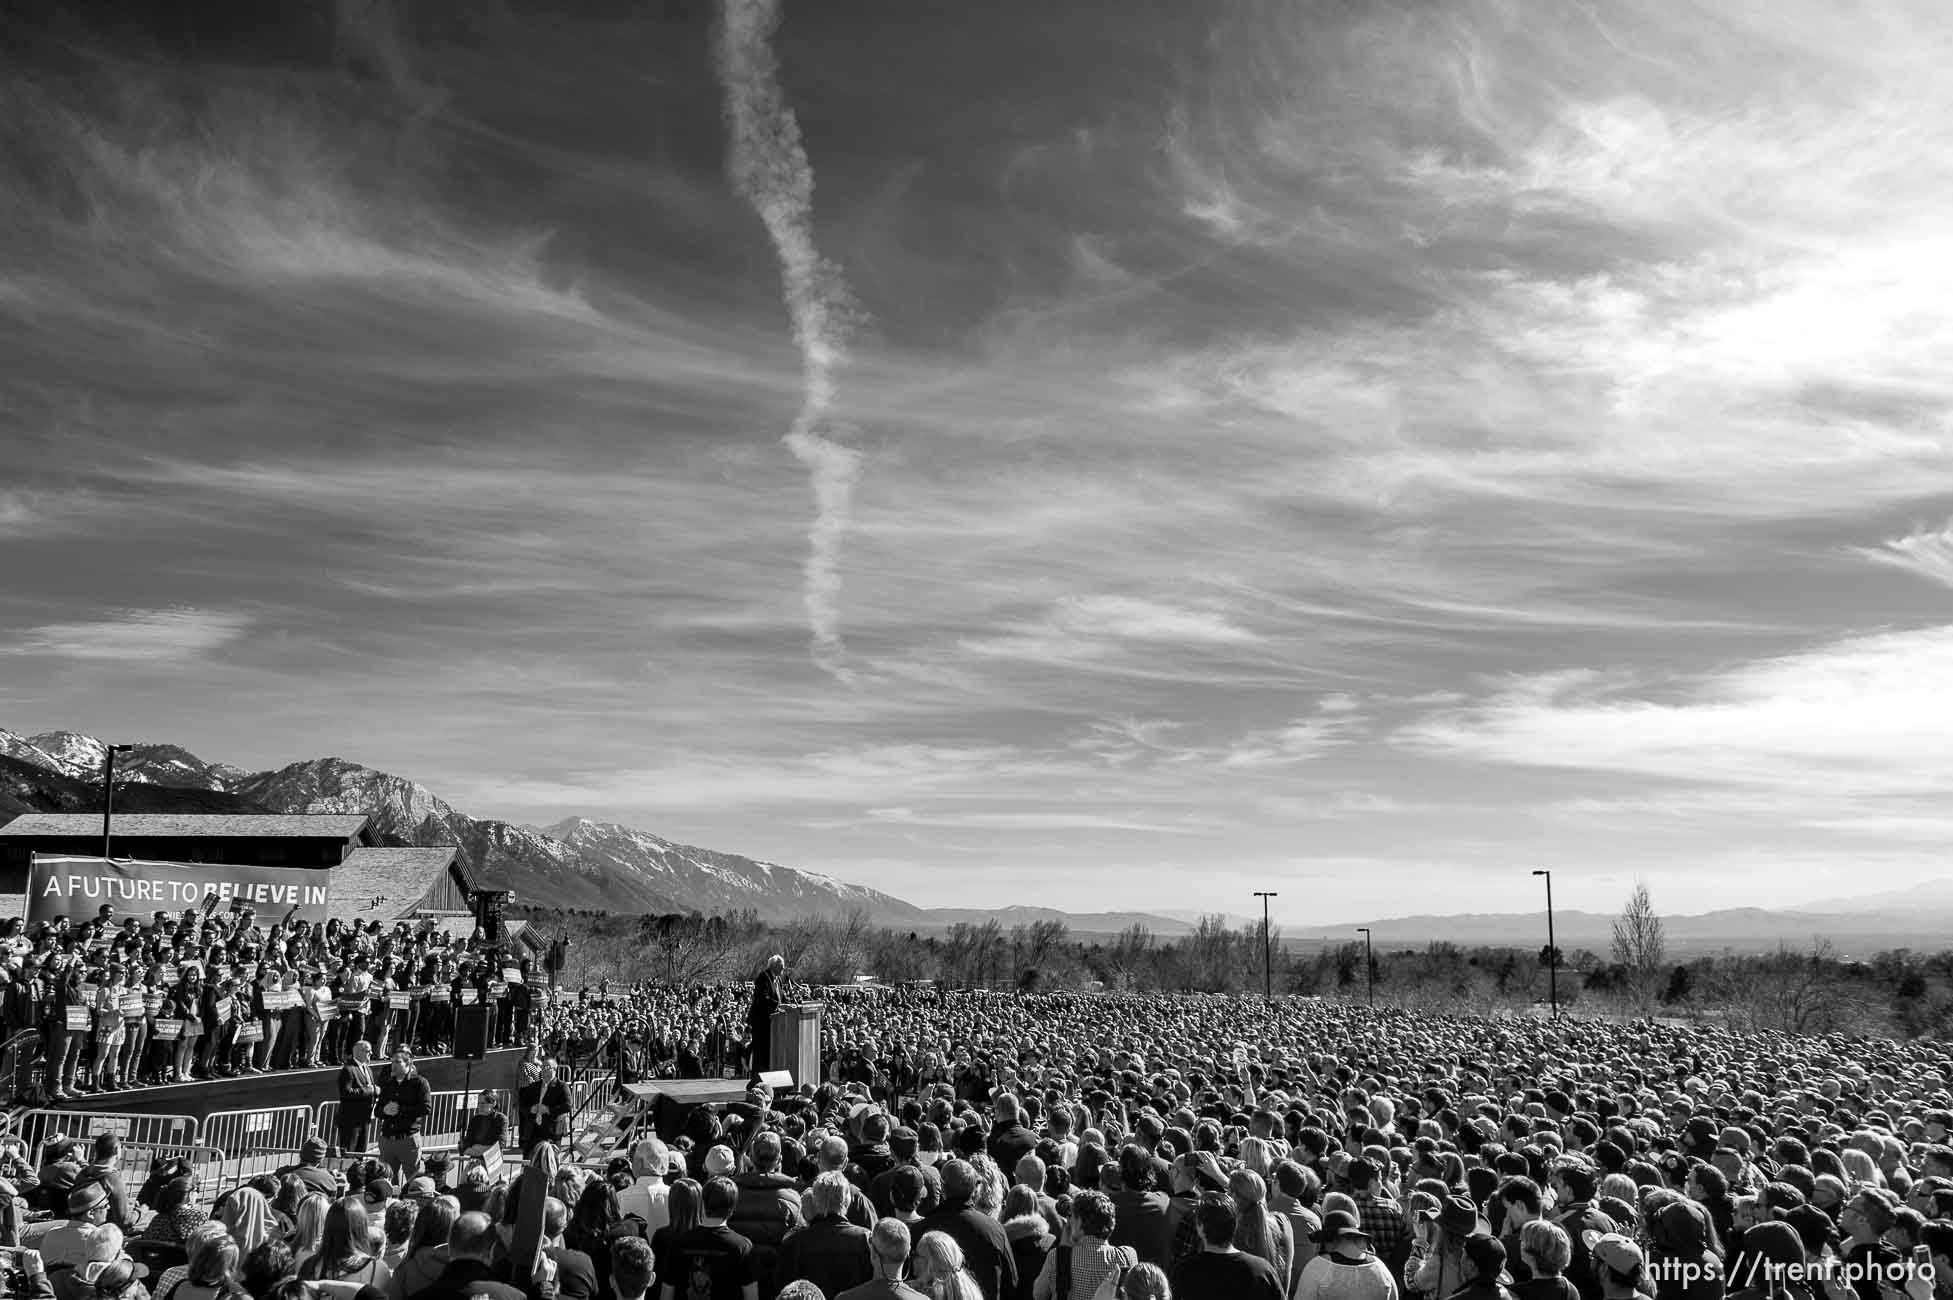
405,1100
471,1244
769,1206
1485,1273
358,1090
767,987
986,1250
1009,1140
541,1106
830,1252
1142,1220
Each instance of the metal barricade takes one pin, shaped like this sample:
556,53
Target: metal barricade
20,1062
139,1158
447,1117
447,1120
326,1122
258,1141
36,1126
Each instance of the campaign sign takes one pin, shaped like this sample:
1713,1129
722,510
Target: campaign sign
76,887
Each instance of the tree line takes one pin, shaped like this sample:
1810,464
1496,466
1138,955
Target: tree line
1802,990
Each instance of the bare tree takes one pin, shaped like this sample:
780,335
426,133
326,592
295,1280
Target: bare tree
687,948
1640,945
1131,955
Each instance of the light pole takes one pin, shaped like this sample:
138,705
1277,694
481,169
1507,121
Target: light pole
108,792
1552,950
1267,961
1369,962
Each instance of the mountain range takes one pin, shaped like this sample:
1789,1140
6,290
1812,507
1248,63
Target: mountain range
579,863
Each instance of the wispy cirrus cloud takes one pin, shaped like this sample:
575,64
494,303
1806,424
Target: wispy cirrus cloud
1927,554
1854,715
153,636
1030,822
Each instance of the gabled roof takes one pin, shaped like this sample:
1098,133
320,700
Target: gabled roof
385,883
337,826
460,927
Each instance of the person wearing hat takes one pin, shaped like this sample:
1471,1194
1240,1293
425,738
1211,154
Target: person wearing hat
1619,1266
87,1234
1346,1267
1485,1272
1442,1232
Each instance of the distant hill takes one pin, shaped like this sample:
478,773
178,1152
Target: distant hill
1745,929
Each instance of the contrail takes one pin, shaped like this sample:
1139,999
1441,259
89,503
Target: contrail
769,168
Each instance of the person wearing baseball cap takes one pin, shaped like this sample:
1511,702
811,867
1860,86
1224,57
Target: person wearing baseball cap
1619,1264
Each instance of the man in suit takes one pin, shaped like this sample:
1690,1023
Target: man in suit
767,988
541,1105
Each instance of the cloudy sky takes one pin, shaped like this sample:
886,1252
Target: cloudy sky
1365,451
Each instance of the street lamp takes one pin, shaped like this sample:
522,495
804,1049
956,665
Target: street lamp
1369,962
1552,950
1267,961
108,791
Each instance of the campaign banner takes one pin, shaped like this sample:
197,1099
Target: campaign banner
76,887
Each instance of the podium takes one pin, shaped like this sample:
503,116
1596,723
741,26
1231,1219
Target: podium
796,1041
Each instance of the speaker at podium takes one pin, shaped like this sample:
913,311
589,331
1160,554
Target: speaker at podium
796,1041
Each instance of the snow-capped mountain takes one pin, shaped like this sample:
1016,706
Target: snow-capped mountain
82,757
717,882
579,863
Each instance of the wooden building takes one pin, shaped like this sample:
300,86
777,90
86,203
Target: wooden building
368,880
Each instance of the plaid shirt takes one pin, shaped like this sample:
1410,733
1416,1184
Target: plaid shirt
1383,1219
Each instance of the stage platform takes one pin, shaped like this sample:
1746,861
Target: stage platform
688,1092
500,1069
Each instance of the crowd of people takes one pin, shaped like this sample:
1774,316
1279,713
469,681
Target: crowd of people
126,1001
974,1146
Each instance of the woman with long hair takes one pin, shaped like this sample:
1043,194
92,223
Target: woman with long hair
187,1006
427,1248
1860,1169
345,1251
940,1272
593,1222
310,1231
1029,1237
1258,1158
64,1044
1260,1231
685,1201
109,1033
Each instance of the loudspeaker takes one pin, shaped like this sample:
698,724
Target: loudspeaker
474,1030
